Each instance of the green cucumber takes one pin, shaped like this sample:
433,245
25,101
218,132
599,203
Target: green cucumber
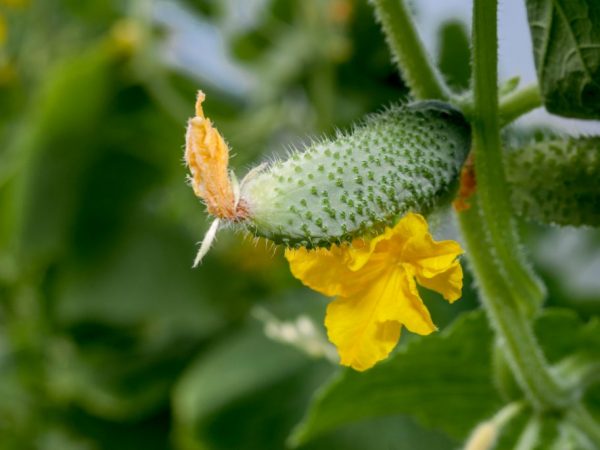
557,181
406,158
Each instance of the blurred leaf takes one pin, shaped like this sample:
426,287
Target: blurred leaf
566,44
244,368
150,433
17,409
571,438
509,86
133,285
454,58
442,380
207,8
53,145
561,333
536,430
57,438
393,432
540,432
74,93
511,431
94,13
592,401
563,336
134,320
240,406
264,416
250,45
125,385
245,362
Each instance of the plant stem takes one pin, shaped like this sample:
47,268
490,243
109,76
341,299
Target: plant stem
506,282
520,102
491,183
510,291
488,431
511,325
414,64
581,418
580,371
530,436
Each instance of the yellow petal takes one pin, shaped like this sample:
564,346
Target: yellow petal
413,312
428,256
434,263
448,283
365,326
376,288
359,253
330,271
382,249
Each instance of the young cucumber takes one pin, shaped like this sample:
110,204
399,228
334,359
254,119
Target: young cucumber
404,159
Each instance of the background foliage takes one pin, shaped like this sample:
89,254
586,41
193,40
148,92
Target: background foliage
108,340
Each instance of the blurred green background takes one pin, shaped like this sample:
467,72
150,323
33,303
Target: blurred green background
108,338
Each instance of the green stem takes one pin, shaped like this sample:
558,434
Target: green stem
511,325
579,371
516,104
584,422
510,290
491,183
530,436
489,430
506,282
416,68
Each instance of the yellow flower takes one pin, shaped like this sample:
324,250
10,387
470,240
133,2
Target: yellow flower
374,282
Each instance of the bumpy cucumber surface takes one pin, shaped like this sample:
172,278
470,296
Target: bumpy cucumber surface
557,181
403,159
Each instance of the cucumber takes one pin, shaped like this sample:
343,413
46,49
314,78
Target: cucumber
406,158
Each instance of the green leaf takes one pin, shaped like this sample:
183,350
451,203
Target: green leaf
116,375
541,432
575,345
243,405
509,86
570,344
556,181
55,142
561,333
129,322
133,287
454,58
392,432
245,362
529,431
570,438
566,44
443,381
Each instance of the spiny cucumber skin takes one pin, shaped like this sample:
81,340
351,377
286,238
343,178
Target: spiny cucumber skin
557,181
403,159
